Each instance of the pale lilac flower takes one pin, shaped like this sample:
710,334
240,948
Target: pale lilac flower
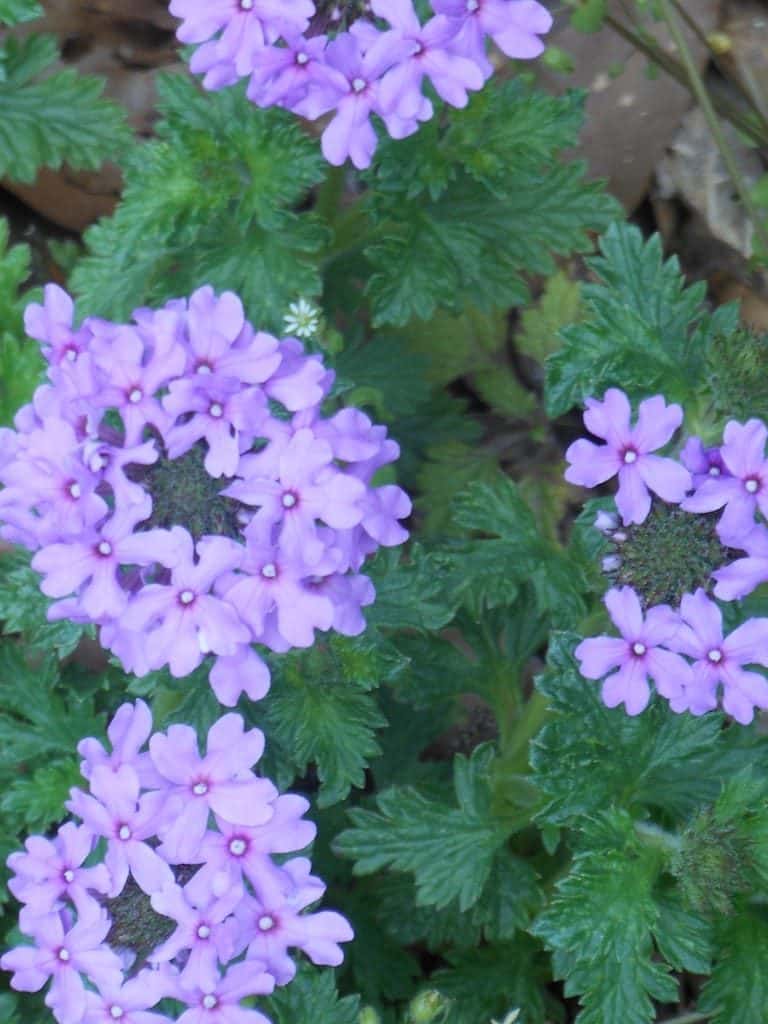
128,731
129,1003
220,1003
51,870
221,782
743,575
61,955
117,813
719,661
275,923
639,653
51,325
628,453
703,463
514,25
744,489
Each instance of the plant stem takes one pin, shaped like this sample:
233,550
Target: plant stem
710,116
687,1018
654,836
646,44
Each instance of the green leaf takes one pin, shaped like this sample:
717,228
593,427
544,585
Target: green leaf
737,991
600,927
311,998
461,228
415,594
588,15
14,12
659,760
212,200
560,304
487,983
318,711
449,850
37,801
643,330
47,117
23,609
21,365
683,937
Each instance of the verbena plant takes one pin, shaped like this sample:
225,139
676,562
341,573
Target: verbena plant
520,811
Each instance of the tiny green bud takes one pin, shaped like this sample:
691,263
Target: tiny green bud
427,1007
368,1016
558,60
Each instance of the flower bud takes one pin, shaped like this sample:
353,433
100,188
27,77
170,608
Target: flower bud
606,521
368,1016
427,1007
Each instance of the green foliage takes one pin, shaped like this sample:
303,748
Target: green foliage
737,992
23,610
658,760
449,850
611,967
210,201
20,362
643,330
49,116
14,12
310,998
470,205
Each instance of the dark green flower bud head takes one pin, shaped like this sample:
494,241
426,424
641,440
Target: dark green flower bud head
672,553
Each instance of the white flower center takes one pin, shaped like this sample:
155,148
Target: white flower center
105,548
630,456
203,932
186,597
63,955
473,5
69,875
75,490
715,655
639,649
216,410
98,462
237,847
200,788
136,396
210,1002
302,58
124,832
204,368
115,1012
246,5
358,84
714,471
269,571
289,500
71,355
751,485
265,923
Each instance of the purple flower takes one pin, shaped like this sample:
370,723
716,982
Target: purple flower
703,463
118,814
128,1003
514,25
636,655
274,923
627,452
52,871
220,1003
221,782
744,489
61,956
719,661
51,325
741,576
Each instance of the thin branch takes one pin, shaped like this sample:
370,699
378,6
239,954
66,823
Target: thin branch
713,122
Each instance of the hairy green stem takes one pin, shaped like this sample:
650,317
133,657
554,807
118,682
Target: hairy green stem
654,836
702,96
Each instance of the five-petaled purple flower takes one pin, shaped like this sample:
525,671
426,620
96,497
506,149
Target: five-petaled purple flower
627,452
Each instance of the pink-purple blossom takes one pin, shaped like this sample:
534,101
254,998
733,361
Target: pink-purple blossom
157,856
185,470
628,453
717,661
370,68
641,652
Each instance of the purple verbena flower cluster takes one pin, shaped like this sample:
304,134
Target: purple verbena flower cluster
683,650
314,59
167,888
182,489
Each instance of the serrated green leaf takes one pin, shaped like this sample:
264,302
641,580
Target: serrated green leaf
46,119
560,304
211,200
36,801
450,851
643,329
683,937
488,983
655,760
737,991
610,967
311,998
